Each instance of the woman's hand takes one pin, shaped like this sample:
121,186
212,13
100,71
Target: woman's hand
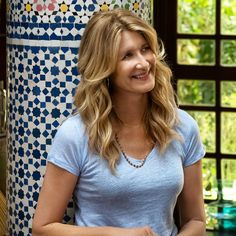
140,231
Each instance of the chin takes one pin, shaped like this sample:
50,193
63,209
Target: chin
149,88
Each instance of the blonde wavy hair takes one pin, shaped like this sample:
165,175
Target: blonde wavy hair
98,55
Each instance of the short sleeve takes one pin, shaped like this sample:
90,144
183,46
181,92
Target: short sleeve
192,146
66,150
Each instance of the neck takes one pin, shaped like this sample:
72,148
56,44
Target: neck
130,111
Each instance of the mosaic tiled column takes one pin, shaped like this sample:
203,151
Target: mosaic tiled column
42,48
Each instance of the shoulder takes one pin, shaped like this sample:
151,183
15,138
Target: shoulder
187,127
185,116
69,145
193,149
73,121
72,128
187,124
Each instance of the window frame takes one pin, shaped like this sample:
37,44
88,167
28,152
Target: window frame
165,23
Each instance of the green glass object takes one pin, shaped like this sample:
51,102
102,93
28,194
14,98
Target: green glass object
223,212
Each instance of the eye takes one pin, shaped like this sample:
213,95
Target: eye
146,48
127,55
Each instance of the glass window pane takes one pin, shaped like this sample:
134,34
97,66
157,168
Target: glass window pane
196,52
211,223
227,189
228,173
228,94
228,132
196,92
196,17
228,52
209,176
228,17
206,122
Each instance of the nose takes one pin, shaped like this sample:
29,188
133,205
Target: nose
142,63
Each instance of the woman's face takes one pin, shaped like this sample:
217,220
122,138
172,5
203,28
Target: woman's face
134,72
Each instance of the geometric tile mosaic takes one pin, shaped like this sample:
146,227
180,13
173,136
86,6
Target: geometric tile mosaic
52,20
42,51
67,11
41,87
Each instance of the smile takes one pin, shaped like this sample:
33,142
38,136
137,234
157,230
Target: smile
143,76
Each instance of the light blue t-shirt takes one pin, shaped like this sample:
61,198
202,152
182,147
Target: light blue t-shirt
133,197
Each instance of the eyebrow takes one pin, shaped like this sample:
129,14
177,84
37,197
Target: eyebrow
127,50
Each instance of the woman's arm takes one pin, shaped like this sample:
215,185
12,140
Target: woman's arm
191,203
57,189
55,194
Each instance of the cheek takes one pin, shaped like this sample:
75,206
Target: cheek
153,59
124,68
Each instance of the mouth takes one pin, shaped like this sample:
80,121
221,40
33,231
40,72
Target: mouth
141,76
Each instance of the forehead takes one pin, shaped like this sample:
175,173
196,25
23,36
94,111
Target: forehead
130,39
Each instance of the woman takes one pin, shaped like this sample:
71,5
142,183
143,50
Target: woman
130,156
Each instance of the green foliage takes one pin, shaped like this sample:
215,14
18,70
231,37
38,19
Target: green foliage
228,170
196,52
228,52
196,17
196,92
228,94
209,176
228,132
228,16
206,122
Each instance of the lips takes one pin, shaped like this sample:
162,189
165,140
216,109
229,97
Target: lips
141,76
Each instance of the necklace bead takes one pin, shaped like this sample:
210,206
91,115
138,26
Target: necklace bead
127,159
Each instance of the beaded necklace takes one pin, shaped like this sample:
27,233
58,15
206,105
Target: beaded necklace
127,159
